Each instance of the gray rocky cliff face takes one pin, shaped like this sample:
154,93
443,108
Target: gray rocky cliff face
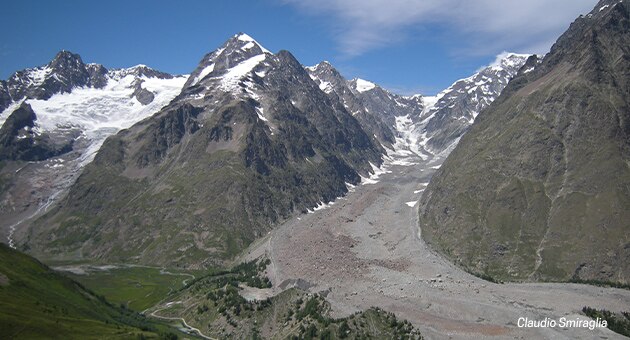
538,188
19,141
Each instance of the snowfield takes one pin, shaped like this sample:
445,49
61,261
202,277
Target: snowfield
99,113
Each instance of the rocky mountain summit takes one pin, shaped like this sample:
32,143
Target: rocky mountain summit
64,73
335,85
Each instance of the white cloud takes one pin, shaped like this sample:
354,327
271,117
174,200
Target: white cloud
487,26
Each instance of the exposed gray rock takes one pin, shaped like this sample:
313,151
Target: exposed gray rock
19,141
538,189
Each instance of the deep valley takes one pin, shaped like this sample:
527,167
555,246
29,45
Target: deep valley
257,197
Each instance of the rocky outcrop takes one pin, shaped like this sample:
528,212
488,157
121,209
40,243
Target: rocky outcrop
20,141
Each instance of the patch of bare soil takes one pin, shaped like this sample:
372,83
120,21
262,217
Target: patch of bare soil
255,294
4,280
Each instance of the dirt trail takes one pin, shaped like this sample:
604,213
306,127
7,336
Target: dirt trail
185,326
365,250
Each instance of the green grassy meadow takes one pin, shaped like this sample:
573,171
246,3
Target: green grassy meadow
37,302
136,288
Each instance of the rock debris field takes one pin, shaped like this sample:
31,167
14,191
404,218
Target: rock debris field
366,250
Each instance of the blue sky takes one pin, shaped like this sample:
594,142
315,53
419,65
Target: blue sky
408,46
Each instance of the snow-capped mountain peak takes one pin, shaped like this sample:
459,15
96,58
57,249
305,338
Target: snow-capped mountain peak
325,76
507,60
322,66
457,106
249,42
54,118
483,86
139,71
66,60
237,57
69,95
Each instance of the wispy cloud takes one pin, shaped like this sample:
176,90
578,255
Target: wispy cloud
486,26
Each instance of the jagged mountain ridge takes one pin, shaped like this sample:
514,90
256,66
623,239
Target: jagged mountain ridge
65,72
249,140
333,83
449,114
538,188
425,125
